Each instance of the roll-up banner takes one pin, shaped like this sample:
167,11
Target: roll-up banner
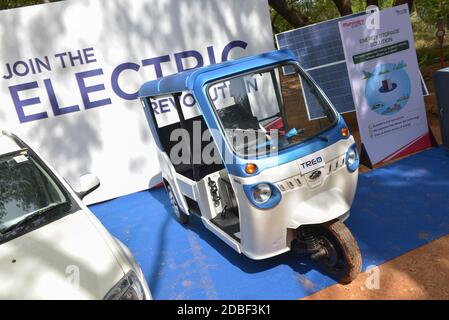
385,82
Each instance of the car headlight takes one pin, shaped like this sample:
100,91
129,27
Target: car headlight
352,158
262,193
128,288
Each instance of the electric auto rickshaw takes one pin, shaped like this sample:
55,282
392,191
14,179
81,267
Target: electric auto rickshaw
237,148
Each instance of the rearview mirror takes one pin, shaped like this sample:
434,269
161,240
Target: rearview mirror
89,182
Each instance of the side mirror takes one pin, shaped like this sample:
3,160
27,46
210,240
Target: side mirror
89,182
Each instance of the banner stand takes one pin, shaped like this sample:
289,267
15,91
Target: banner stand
433,140
366,161
386,85
364,158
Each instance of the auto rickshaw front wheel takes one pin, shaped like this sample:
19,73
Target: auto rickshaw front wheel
339,255
180,216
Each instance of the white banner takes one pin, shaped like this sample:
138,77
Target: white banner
71,70
385,82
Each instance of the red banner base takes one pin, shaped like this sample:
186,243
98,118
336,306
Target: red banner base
420,143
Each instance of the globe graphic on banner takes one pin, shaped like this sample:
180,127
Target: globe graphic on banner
387,89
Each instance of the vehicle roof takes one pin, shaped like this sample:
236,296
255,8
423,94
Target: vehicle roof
7,144
184,81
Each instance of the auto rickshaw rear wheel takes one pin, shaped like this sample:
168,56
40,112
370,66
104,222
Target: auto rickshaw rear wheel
341,259
180,216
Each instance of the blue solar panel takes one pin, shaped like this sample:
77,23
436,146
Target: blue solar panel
319,49
315,45
334,80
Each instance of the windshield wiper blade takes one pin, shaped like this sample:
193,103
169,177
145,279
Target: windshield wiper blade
323,138
31,217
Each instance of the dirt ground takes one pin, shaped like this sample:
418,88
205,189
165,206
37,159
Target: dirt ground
422,273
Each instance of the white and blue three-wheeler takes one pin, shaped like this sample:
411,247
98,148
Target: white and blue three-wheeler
237,148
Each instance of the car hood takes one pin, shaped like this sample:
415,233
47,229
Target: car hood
65,259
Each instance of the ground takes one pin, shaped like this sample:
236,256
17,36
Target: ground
403,238
419,274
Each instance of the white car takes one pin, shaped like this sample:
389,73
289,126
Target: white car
51,245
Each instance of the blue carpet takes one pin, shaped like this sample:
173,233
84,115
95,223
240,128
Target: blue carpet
397,208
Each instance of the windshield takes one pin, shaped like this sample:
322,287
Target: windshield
25,189
265,111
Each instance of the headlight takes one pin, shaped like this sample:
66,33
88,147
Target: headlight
128,288
352,158
261,193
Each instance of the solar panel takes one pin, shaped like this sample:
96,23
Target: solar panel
319,50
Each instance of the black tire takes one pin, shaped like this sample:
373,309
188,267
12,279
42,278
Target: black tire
180,216
343,260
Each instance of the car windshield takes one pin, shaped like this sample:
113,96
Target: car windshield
25,189
266,110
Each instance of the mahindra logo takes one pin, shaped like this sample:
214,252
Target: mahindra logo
315,175
311,163
354,24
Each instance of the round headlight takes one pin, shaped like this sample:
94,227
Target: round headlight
351,157
128,288
261,193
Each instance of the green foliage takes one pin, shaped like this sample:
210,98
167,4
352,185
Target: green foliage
315,10
360,5
279,24
424,19
318,11
426,43
432,11
9,4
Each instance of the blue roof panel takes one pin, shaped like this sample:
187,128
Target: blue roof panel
184,81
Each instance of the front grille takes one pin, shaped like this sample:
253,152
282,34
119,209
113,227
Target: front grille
289,184
335,164
299,181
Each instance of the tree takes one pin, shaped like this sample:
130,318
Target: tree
372,3
344,7
9,4
293,16
433,12
287,14
409,2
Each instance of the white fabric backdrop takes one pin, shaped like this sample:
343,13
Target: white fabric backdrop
70,70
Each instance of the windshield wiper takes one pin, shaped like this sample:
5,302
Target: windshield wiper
32,216
323,138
